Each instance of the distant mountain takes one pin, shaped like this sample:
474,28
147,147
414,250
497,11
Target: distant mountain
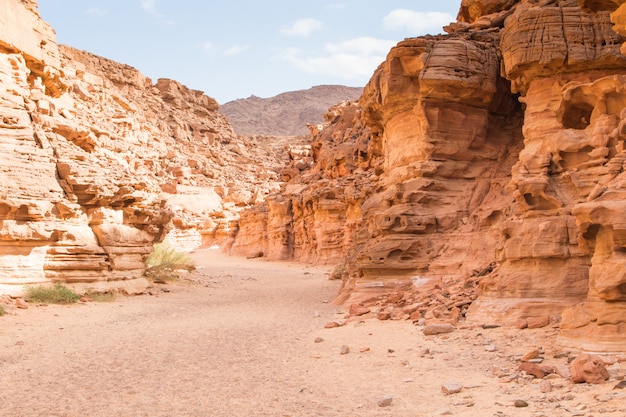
288,113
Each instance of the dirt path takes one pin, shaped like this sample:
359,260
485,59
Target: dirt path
242,342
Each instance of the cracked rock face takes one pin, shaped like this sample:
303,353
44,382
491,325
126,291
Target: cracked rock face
492,156
500,144
99,163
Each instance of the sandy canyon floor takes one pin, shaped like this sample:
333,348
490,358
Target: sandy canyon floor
246,337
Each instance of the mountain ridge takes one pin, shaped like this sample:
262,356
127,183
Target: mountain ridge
287,113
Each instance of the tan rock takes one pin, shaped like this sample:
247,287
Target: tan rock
535,370
438,328
589,369
358,310
537,322
533,354
94,174
20,303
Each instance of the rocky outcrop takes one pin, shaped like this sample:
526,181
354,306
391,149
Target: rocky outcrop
480,174
490,156
100,163
315,217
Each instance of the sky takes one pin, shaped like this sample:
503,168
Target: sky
234,49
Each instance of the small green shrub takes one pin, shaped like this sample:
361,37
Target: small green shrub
57,294
164,261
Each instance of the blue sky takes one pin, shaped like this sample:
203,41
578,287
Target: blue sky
237,48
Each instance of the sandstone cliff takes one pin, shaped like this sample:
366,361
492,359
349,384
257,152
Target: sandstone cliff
286,114
491,156
480,174
99,163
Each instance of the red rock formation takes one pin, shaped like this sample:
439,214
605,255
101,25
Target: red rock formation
100,163
315,216
442,177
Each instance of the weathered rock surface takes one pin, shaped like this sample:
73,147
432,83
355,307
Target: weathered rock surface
491,154
589,369
99,163
486,162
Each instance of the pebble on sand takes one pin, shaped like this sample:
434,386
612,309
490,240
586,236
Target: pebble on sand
385,402
452,388
438,328
19,303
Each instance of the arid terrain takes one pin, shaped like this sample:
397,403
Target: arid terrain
246,337
469,207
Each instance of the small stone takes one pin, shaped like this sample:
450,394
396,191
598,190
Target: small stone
332,325
535,370
85,299
19,303
383,315
415,316
620,385
563,371
491,348
385,402
604,398
358,310
319,339
452,388
534,354
545,386
438,328
588,368
364,349
520,403
443,412
491,326
345,350
538,322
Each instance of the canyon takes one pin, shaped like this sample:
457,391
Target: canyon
480,175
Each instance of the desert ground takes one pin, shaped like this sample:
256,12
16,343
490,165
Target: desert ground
247,337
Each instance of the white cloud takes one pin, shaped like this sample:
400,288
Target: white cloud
149,6
236,49
416,22
94,11
355,59
302,27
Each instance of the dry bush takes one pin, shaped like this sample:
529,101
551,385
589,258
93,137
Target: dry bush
164,261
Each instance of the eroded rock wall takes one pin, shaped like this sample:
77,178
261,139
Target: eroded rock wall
491,155
99,163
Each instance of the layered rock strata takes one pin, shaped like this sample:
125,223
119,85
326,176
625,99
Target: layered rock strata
494,152
100,163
